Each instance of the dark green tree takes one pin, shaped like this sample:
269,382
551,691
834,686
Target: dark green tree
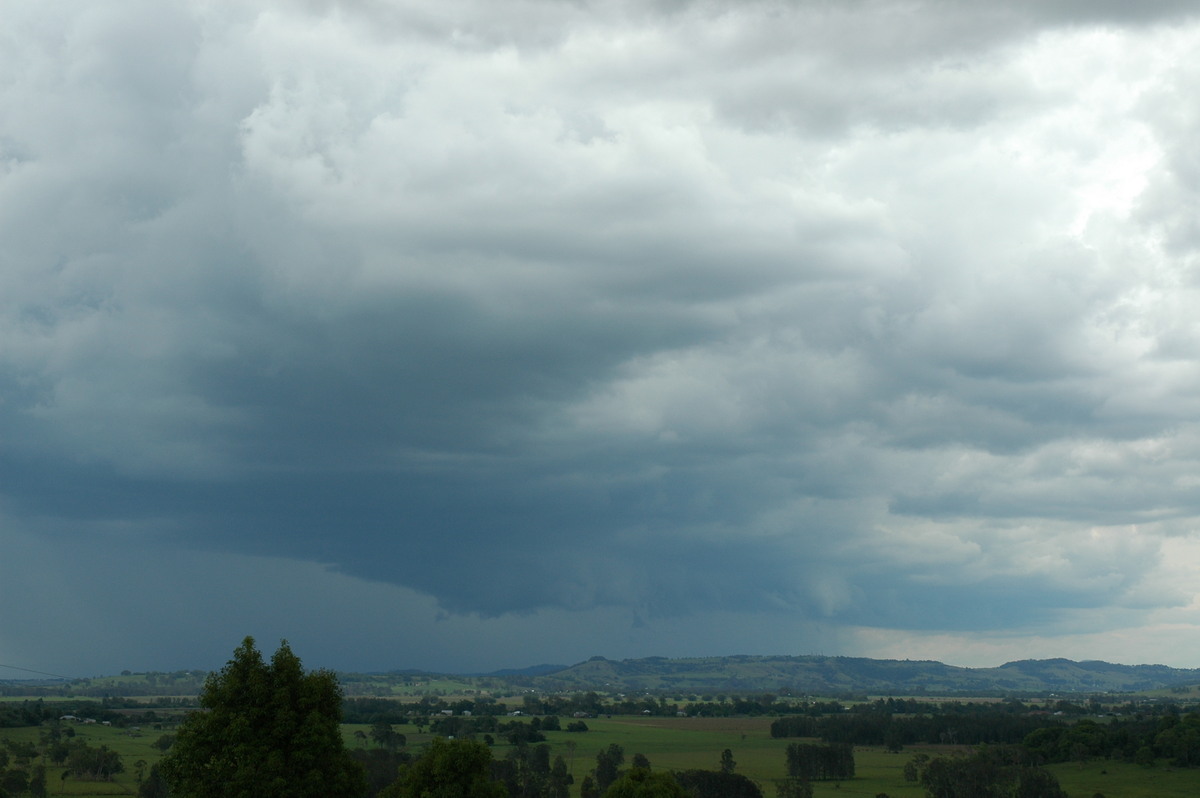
793,787
448,769
717,784
155,786
58,751
93,764
817,762
383,734
608,764
989,773
642,783
559,784
14,781
269,730
37,782
1034,782
1181,741
380,766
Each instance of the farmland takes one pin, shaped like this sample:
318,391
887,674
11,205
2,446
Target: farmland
669,743
1089,741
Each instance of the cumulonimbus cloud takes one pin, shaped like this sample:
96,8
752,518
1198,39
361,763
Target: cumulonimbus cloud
701,307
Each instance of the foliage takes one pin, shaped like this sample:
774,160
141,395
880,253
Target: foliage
380,765
642,783
93,764
37,782
813,762
14,781
989,773
980,724
26,713
448,769
374,710
1180,740
155,786
383,734
269,731
793,787
717,784
826,675
518,733
560,781
608,764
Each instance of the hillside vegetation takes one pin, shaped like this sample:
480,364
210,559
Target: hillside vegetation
830,675
800,675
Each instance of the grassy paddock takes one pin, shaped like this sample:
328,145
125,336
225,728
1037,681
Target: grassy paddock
684,743
681,743
1121,780
131,748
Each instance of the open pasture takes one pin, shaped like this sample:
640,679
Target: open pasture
697,743
682,743
1121,780
685,743
132,746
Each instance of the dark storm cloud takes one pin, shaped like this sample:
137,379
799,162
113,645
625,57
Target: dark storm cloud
868,314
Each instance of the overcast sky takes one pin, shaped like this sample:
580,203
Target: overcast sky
464,334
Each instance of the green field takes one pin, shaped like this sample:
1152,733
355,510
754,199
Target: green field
676,744
132,746
686,743
1121,780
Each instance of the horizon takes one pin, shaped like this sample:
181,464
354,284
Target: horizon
510,670
453,334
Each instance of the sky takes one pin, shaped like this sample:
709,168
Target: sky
465,335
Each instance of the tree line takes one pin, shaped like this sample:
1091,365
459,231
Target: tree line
895,732
988,772
1044,738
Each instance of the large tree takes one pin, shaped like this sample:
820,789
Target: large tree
267,730
641,783
608,765
448,769
717,784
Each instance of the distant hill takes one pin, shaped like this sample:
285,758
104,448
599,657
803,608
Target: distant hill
533,670
802,675
823,675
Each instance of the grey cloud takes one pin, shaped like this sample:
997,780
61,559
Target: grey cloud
532,317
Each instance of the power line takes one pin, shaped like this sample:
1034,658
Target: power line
31,670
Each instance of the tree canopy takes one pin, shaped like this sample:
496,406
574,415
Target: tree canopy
448,769
642,783
267,730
